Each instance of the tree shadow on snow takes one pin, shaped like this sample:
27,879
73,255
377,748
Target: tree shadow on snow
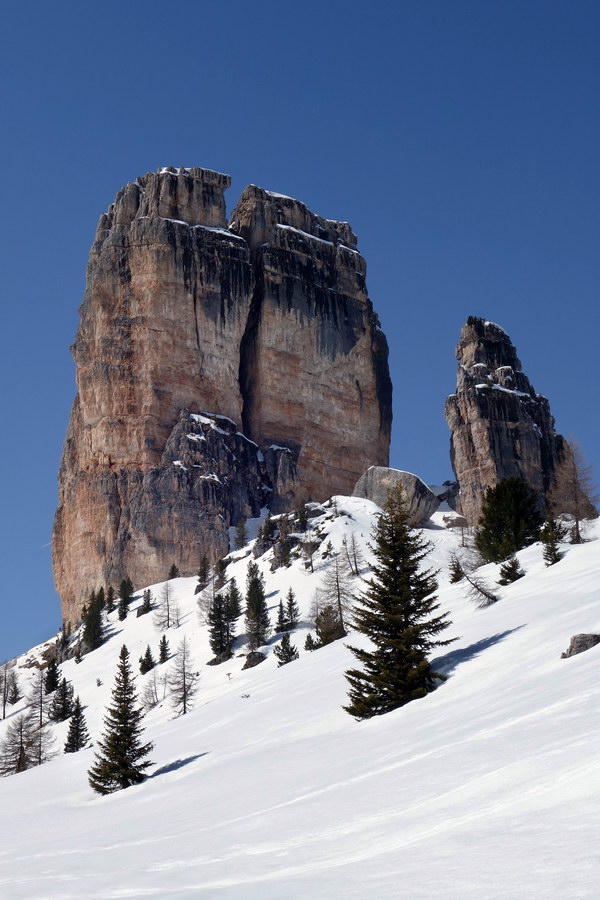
447,663
177,764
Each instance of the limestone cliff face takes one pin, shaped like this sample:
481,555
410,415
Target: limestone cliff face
500,426
261,323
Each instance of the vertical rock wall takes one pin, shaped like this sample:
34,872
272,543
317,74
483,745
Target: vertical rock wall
500,426
182,313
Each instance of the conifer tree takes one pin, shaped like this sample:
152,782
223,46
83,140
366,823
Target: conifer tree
101,598
550,535
173,572
285,651
62,702
398,613
509,520
241,535
309,643
218,633
456,570
121,760
257,613
335,589
183,681
52,678
510,571
77,737
573,491
328,626
110,600
281,623
292,611
25,744
147,661
13,688
146,601
163,650
166,612
92,624
203,573
219,575
302,517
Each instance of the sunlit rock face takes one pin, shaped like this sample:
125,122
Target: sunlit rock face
266,322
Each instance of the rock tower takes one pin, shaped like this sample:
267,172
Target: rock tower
220,368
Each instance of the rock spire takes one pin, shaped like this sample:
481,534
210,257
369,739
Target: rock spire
220,368
500,426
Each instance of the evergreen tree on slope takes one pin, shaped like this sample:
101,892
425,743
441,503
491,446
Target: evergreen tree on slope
121,761
509,520
398,613
77,736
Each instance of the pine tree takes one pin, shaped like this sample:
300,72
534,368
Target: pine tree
328,626
37,700
509,520
146,601
285,651
173,572
241,535
218,633
309,643
510,571
62,702
92,624
163,650
550,535
183,681
110,600
292,611
257,613
147,661
52,678
336,590
13,688
121,760
203,573
101,598
456,570
219,575
166,612
77,736
397,613
281,624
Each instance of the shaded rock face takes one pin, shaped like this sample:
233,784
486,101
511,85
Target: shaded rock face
378,481
261,323
500,427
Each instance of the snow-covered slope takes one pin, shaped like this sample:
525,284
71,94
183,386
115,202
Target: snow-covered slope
487,788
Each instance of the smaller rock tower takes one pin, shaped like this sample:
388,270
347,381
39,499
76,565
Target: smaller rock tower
500,426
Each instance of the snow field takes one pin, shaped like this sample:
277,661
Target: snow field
487,788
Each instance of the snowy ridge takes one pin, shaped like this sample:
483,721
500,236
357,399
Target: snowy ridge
486,788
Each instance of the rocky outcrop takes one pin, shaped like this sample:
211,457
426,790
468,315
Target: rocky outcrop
376,483
266,322
580,643
500,426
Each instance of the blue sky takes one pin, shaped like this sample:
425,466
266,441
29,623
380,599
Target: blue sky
461,141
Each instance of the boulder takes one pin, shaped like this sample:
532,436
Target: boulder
377,482
580,643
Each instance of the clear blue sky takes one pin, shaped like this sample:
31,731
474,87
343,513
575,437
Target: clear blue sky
461,141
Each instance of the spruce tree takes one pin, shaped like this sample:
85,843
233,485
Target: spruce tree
509,520
110,600
241,535
218,633
147,661
101,598
292,611
281,624
257,613
510,571
77,736
52,678
233,611
25,744
309,643
92,624
203,573
328,626
183,680
456,570
173,572
285,651
146,601
62,702
121,760
550,535
398,614
163,650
